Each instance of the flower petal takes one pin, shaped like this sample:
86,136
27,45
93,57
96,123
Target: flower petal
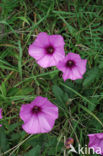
50,110
36,52
39,101
99,135
42,40
96,142
101,146
58,56
25,112
46,122
82,66
92,140
0,113
56,40
66,74
76,74
44,61
61,66
42,121
38,49
73,56
32,126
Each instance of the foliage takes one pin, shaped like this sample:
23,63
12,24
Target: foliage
21,79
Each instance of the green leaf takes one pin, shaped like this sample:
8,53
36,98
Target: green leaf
34,152
58,93
3,89
20,59
12,127
3,140
24,19
93,115
95,101
61,96
71,29
91,76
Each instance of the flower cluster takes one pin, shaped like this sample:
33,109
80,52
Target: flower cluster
48,51
39,116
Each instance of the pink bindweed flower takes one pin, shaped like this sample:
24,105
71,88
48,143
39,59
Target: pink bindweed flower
69,142
0,115
39,116
96,142
47,50
72,66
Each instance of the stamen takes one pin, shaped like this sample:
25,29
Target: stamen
50,50
70,63
36,109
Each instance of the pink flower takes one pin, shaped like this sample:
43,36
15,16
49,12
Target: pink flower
96,142
69,142
39,116
0,115
72,66
47,50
